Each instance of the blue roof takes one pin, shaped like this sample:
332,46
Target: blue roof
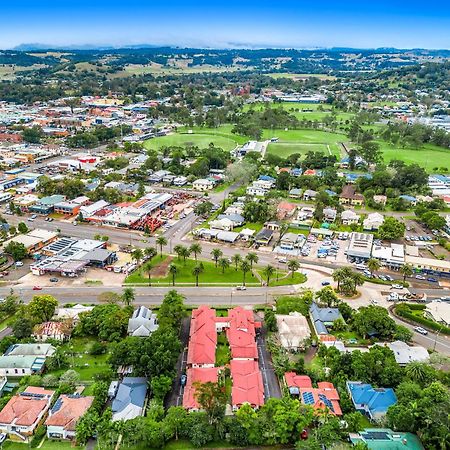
378,400
408,198
296,171
330,193
266,178
131,391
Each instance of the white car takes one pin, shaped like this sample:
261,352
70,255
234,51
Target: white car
397,286
420,277
241,288
18,263
421,330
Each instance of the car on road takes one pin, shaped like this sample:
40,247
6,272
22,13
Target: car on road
241,288
283,261
183,380
325,283
54,280
37,288
30,219
420,277
397,286
421,330
432,279
34,216
445,299
18,264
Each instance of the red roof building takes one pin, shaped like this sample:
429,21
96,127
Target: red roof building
202,338
197,375
324,397
247,384
241,334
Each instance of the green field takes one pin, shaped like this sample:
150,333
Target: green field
293,76
196,139
429,156
47,445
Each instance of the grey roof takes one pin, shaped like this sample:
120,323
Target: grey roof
131,391
233,217
98,254
30,350
326,315
142,323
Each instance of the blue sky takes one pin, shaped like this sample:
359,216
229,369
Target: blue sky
288,23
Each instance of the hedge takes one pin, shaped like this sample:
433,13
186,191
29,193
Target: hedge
423,321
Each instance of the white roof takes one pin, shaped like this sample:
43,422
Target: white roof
405,354
293,329
440,311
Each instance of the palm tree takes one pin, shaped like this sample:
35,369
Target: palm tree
293,265
340,275
137,254
245,267
196,271
128,296
216,254
406,270
173,271
358,279
184,252
196,249
224,264
416,372
161,241
236,259
150,252
373,264
148,268
178,249
252,257
268,272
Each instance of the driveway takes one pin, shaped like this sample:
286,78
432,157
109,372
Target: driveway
270,380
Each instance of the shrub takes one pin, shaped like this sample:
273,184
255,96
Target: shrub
38,436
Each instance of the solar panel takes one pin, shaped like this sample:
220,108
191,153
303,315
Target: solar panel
326,401
308,398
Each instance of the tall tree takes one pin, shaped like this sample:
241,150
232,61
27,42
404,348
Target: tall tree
161,241
197,271
216,253
196,249
173,270
245,267
268,271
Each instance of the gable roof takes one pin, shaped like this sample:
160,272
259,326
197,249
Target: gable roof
197,375
377,400
202,337
247,383
130,398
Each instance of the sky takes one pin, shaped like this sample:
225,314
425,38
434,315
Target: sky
230,23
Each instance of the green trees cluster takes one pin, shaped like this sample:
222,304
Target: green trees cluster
347,280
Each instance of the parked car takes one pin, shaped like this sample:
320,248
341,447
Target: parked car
54,280
432,279
37,288
183,380
420,277
397,286
282,260
3,437
421,330
33,216
325,283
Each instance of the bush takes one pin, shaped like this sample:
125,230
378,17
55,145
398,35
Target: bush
98,348
38,436
407,314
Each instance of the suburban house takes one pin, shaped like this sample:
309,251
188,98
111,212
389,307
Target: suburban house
290,241
350,197
142,323
59,331
322,318
24,359
374,402
380,199
349,217
307,212
405,354
72,313
285,210
193,377
409,199
65,414
264,236
23,413
295,193
203,184
241,334
373,221
247,384
129,399
329,215
202,338
324,397
309,194
293,330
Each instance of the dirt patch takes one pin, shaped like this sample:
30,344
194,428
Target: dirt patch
162,269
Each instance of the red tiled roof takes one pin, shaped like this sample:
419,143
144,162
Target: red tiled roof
327,338
72,409
299,381
197,375
203,337
247,383
25,410
241,334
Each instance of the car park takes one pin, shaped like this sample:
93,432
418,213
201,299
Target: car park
421,330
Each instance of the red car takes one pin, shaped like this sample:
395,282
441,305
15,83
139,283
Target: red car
37,288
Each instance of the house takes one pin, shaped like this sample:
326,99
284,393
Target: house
380,199
65,414
438,312
224,224
386,439
202,338
293,330
24,412
329,215
59,331
236,219
374,402
322,318
241,334
405,354
129,400
360,245
285,210
73,313
309,194
247,384
203,184
264,236
289,241
307,212
349,217
142,323
350,197
409,199
180,181
373,222
194,376
295,193
256,191
324,397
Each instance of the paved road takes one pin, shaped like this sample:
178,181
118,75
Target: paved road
270,380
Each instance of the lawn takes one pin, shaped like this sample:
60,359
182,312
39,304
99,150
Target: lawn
198,139
257,226
284,278
77,351
47,445
429,156
223,355
210,276
182,444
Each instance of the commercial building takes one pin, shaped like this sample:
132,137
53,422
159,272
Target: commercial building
386,439
360,245
439,312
